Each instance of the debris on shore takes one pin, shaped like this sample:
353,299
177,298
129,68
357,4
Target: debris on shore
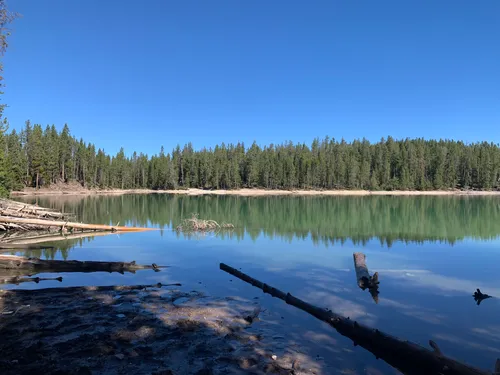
24,217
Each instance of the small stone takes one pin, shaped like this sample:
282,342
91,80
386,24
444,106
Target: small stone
15,361
120,356
274,357
120,315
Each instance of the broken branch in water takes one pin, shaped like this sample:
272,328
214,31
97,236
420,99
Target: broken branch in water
13,262
479,297
365,281
194,224
408,357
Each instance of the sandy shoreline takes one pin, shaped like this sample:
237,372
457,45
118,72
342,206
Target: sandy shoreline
254,192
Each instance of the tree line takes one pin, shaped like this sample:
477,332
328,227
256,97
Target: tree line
37,156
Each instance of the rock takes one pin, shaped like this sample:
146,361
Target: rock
119,356
274,357
120,315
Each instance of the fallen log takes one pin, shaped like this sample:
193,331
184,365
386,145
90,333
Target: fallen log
17,280
365,281
67,225
30,265
408,357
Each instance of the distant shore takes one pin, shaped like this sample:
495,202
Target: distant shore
248,192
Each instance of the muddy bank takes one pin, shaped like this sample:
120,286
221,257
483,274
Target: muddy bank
247,192
116,330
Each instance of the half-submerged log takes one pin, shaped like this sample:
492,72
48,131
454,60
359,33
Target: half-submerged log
365,281
35,265
408,357
480,297
33,223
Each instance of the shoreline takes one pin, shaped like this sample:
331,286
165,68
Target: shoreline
254,192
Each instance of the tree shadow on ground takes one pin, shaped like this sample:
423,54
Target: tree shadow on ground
119,330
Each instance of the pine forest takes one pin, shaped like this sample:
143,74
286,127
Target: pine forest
39,156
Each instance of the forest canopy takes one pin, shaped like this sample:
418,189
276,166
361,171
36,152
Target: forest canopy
38,156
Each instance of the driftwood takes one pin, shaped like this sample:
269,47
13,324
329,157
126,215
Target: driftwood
408,357
365,281
30,223
480,297
19,209
19,216
35,265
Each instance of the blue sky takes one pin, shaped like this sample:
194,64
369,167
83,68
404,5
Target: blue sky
141,74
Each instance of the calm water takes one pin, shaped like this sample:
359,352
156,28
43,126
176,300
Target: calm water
431,254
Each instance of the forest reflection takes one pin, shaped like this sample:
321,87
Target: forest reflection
325,220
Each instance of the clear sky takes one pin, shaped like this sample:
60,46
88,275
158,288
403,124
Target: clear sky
141,74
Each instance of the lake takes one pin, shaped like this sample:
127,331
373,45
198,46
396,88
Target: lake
431,253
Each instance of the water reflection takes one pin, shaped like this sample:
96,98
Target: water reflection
324,220
58,249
